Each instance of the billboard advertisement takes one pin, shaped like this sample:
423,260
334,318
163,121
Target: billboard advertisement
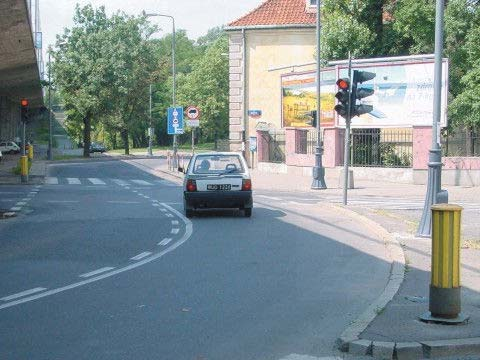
403,95
299,98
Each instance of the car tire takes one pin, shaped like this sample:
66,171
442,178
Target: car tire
247,212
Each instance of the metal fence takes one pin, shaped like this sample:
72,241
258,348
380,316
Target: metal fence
381,147
276,146
461,142
306,141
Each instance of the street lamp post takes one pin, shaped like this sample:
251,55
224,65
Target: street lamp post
434,192
50,127
150,153
318,182
175,147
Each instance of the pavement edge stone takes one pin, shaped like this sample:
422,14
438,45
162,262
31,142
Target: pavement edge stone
351,334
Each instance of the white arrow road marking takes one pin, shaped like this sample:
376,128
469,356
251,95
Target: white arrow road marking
22,294
176,244
141,256
96,272
165,241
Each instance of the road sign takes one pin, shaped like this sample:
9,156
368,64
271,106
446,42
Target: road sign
175,120
193,112
193,123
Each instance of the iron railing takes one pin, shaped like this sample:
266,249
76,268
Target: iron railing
381,147
276,146
306,141
461,142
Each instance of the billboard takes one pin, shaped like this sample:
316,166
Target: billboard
299,98
403,95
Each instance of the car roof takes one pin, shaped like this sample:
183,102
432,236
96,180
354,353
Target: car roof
225,153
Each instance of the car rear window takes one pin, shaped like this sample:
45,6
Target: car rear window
218,164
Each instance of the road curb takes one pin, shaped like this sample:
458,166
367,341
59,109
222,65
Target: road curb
171,176
350,340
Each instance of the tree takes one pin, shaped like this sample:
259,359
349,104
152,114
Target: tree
207,87
80,70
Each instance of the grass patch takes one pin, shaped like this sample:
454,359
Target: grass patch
67,157
17,170
184,147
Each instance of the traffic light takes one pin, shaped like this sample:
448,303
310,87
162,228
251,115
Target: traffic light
313,115
343,97
24,111
359,93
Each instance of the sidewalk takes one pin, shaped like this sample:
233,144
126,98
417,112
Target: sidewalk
396,328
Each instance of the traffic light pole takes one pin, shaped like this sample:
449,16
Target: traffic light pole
434,193
348,120
50,127
318,182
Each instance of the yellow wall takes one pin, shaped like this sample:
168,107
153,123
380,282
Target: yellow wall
273,48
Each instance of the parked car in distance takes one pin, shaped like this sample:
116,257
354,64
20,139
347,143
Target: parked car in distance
97,147
9,147
217,180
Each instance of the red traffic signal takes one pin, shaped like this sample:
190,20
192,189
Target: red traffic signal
343,83
24,102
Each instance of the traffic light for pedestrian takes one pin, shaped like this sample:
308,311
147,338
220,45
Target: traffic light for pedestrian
343,97
359,93
24,111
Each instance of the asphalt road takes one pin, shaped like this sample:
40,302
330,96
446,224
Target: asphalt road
102,264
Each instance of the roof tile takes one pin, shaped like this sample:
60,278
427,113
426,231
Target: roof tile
277,12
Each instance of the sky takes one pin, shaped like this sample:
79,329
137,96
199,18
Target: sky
195,16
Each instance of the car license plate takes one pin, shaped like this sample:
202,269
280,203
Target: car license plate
219,187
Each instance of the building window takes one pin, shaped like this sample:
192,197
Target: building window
312,2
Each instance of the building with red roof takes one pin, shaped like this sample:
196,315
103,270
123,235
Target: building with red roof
275,34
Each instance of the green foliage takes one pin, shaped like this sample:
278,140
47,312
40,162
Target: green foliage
207,87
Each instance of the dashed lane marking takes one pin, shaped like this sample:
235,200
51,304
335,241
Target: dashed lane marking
73,181
141,182
141,256
15,208
172,247
96,181
175,231
120,182
51,180
123,202
164,242
174,222
22,294
169,215
96,272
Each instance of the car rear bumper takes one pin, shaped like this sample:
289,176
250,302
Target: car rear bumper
218,199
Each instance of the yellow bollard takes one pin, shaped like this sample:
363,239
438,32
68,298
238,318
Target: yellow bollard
445,304
24,168
30,152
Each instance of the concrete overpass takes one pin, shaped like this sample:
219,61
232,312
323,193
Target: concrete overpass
19,69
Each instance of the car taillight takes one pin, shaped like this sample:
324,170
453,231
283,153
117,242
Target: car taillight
246,185
191,185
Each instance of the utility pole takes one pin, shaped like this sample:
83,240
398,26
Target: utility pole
318,182
434,193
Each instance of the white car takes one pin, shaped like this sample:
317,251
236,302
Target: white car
9,147
217,180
